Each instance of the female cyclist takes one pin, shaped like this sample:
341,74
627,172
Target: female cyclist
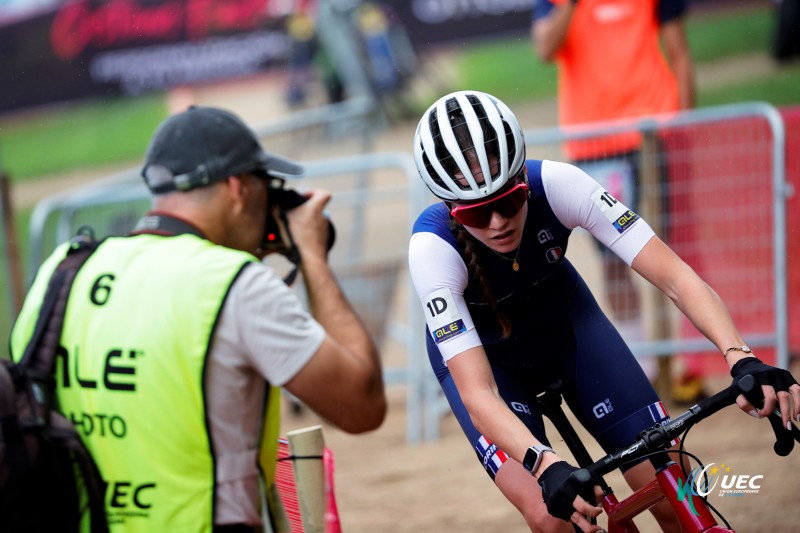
507,313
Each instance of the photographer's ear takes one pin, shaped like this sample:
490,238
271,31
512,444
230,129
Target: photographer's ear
237,189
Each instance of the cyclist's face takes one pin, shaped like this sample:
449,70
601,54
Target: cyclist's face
501,232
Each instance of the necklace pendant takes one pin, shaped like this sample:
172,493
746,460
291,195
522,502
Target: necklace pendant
515,265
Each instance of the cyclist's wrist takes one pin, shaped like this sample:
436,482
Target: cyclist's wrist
534,456
742,350
548,459
733,360
735,353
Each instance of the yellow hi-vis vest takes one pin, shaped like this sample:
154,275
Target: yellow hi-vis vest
130,373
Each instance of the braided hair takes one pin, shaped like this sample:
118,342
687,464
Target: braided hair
478,273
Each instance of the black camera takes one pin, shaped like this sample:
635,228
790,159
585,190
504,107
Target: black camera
275,240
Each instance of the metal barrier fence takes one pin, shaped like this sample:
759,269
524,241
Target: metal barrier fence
712,184
372,209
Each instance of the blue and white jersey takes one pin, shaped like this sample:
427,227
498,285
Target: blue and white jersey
563,198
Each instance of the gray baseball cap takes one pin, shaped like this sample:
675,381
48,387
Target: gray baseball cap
203,145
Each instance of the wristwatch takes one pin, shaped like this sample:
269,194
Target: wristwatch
533,457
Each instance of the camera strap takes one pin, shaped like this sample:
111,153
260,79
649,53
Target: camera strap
155,223
292,254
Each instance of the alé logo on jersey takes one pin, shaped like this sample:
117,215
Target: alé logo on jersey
603,408
553,254
444,320
625,220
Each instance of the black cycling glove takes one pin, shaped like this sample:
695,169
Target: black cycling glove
778,378
560,483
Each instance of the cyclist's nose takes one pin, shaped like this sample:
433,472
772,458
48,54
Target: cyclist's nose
497,220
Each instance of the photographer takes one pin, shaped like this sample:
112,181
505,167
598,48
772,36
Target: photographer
207,333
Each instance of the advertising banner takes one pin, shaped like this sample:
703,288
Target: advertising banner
57,50
432,22
54,50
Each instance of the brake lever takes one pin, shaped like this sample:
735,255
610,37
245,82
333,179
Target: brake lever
784,438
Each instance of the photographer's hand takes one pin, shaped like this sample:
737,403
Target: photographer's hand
347,369
309,226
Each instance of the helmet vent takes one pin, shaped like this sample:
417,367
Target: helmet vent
465,128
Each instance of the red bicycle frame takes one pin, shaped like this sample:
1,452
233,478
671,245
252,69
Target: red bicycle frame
670,483
692,512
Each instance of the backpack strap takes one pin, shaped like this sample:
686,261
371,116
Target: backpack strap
63,432
37,364
40,353
10,430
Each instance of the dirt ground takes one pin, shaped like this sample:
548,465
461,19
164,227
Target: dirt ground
385,484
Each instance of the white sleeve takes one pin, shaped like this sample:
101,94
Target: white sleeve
579,201
440,277
265,326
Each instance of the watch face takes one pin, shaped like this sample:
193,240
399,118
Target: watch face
531,459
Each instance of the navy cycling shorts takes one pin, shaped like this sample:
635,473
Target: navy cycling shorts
603,384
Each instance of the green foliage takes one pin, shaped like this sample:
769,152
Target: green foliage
724,33
779,89
508,69
76,136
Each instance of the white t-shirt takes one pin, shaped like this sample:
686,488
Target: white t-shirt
264,335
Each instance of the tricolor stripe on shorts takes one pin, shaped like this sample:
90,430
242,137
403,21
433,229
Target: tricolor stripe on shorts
661,416
490,455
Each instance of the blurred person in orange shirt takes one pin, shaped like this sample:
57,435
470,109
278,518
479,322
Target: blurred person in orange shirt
618,59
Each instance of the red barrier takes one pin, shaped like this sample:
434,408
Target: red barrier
284,479
720,222
791,118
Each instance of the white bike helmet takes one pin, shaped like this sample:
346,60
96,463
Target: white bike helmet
468,124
